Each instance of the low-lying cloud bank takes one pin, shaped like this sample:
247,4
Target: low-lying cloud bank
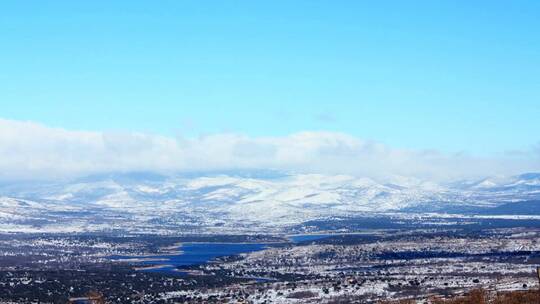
30,150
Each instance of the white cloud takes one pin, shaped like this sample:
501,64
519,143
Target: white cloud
29,150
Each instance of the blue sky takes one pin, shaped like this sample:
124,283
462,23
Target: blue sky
447,75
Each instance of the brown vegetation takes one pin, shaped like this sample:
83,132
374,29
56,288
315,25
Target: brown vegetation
481,296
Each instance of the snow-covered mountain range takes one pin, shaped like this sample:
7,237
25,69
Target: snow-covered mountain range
156,203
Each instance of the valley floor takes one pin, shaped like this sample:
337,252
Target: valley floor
368,267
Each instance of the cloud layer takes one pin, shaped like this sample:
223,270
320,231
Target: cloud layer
33,151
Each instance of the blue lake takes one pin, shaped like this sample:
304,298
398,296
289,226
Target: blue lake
200,253
194,254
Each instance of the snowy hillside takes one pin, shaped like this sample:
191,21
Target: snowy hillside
150,202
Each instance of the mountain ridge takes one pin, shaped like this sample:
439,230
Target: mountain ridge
279,199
